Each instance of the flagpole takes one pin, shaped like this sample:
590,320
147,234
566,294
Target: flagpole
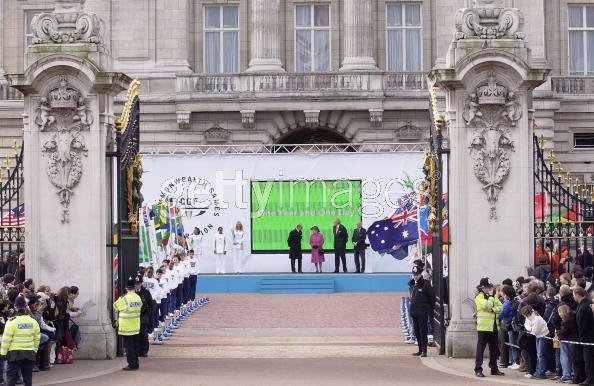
171,230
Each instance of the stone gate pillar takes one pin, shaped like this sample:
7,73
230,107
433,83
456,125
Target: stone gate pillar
488,80
68,122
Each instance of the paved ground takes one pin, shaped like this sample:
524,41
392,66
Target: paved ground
260,340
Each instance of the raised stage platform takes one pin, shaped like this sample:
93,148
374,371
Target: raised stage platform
307,283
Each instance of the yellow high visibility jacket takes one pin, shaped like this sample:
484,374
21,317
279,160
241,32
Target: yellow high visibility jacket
487,312
128,307
20,333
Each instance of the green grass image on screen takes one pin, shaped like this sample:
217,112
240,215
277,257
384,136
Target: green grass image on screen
278,206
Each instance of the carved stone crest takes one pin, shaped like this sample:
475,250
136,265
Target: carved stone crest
492,110
68,23
217,134
409,131
489,20
63,114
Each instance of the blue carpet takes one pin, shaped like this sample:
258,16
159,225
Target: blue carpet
251,283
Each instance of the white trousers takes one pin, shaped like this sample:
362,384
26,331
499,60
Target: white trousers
237,255
220,262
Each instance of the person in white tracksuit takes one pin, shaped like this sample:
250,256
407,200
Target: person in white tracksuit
220,250
195,242
238,237
194,267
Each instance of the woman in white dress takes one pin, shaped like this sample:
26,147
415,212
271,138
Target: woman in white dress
238,237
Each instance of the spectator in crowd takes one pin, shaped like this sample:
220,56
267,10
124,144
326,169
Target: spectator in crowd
519,285
585,323
72,295
8,280
4,263
543,270
509,357
20,271
573,365
535,325
585,259
565,300
552,354
62,317
47,332
29,286
488,308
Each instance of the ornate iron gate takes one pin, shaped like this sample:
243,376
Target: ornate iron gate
434,194
12,204
563,217
128,180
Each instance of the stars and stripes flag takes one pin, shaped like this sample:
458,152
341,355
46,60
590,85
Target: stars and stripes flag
14,217
394,234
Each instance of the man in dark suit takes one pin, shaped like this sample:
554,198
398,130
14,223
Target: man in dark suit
584,317
359,236
340,239
294,242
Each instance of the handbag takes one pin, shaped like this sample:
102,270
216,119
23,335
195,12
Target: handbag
68,341
64,356
321,252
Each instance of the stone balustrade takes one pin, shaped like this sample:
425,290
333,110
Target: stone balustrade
575,85
8,93
338,82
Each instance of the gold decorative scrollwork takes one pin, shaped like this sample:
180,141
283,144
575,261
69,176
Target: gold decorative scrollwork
134,196
131,95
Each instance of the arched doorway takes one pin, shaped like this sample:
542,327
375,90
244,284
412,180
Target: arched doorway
305,136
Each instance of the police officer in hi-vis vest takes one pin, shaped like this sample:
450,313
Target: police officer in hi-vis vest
20,342
128,308
488,308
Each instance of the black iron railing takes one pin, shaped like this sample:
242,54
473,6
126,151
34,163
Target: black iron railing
12,207
563,219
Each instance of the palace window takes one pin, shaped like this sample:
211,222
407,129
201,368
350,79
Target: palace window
583,140
404,34
581,39
221,39
312,37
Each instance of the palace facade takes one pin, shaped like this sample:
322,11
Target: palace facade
305,71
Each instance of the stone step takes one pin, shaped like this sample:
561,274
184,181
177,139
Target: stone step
296,285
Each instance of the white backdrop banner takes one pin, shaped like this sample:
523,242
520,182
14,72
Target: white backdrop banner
220,186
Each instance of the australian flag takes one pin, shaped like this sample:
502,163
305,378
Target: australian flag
394,234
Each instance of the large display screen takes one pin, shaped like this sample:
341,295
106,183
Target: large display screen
278,206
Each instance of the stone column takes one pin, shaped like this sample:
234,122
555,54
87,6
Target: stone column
265,37
2,72
173,36
359,39
68,121
488,80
